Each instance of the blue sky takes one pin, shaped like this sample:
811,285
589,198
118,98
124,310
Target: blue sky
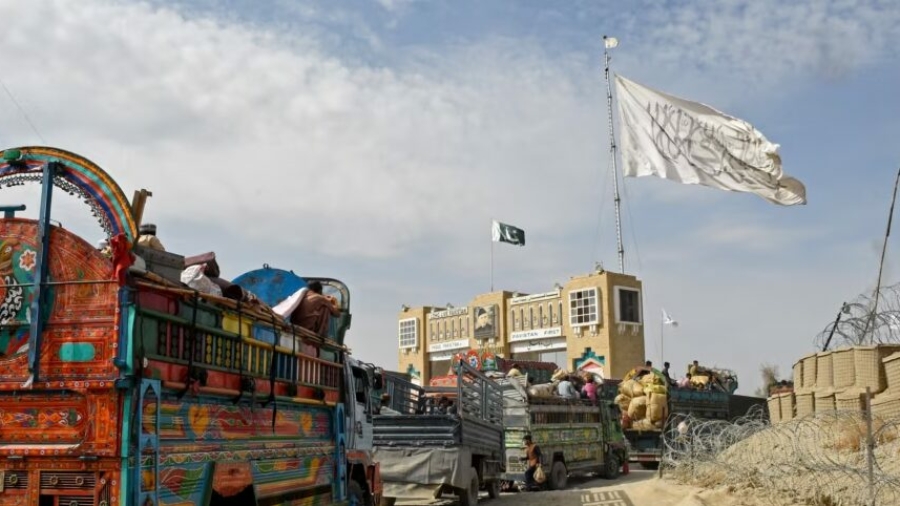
374,141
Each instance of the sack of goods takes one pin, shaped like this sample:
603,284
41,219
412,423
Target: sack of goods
631,388
657,408
559,375
637,408
699,381
643,399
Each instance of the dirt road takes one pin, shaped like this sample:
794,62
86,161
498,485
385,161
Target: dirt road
638,488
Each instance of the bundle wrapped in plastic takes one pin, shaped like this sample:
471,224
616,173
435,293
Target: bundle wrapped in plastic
559,375
637,408
631,388
644,424
650,379
657,407
655,389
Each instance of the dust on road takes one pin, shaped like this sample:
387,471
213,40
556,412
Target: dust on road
638,488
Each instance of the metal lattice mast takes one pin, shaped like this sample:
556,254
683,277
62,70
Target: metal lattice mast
609,43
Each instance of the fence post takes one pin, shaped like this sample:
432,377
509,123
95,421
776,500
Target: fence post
870,447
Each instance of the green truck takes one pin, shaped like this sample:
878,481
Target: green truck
575,436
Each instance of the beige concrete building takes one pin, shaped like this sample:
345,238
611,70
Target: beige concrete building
593,322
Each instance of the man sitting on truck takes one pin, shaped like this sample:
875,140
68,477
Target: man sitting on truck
315,310
533,458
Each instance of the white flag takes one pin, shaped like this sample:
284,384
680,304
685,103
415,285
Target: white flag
667,320
610,42
692,143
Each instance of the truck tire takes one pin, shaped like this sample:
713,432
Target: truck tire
559,476
493,489
612,466
469,496
356,496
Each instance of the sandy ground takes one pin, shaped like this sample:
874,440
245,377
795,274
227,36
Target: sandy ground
638,488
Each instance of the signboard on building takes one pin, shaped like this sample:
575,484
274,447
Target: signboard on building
538,345
535,297
530,335
449,345
457,311
486,322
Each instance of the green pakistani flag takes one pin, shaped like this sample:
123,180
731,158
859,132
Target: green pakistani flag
501,232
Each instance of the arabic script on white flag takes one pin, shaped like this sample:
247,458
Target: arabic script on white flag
692,143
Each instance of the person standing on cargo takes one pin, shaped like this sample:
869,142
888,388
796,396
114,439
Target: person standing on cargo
533,456
315,310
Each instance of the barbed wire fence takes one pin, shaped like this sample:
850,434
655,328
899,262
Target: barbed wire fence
828,459
861,323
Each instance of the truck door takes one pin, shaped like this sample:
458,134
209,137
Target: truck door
362,408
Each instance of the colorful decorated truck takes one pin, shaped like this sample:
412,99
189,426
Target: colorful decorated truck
575,436
121,386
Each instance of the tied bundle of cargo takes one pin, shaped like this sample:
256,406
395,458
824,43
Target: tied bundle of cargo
643,399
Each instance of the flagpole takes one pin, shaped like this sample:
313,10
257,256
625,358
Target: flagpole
607,44
492,256
662,331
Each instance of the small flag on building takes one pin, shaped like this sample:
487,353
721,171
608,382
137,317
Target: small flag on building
692,143
501,232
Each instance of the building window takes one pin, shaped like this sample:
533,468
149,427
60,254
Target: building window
522,318
409,333
453,328
628,305
531,317
550,312
444,334
560,316
583,308
462,327
432,335
540,316
512,320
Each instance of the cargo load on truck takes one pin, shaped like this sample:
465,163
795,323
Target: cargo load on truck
574,435
440,439
651,405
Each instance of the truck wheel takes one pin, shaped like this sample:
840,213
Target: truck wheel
469,496
559,476
356,496
611,466
493,489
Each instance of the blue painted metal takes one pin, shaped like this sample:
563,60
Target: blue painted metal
146,441
339,486
270,285
42,269
125,305
10,211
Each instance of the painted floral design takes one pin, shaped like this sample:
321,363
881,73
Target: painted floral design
27,260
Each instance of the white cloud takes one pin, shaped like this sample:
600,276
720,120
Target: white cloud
762,42
247,127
